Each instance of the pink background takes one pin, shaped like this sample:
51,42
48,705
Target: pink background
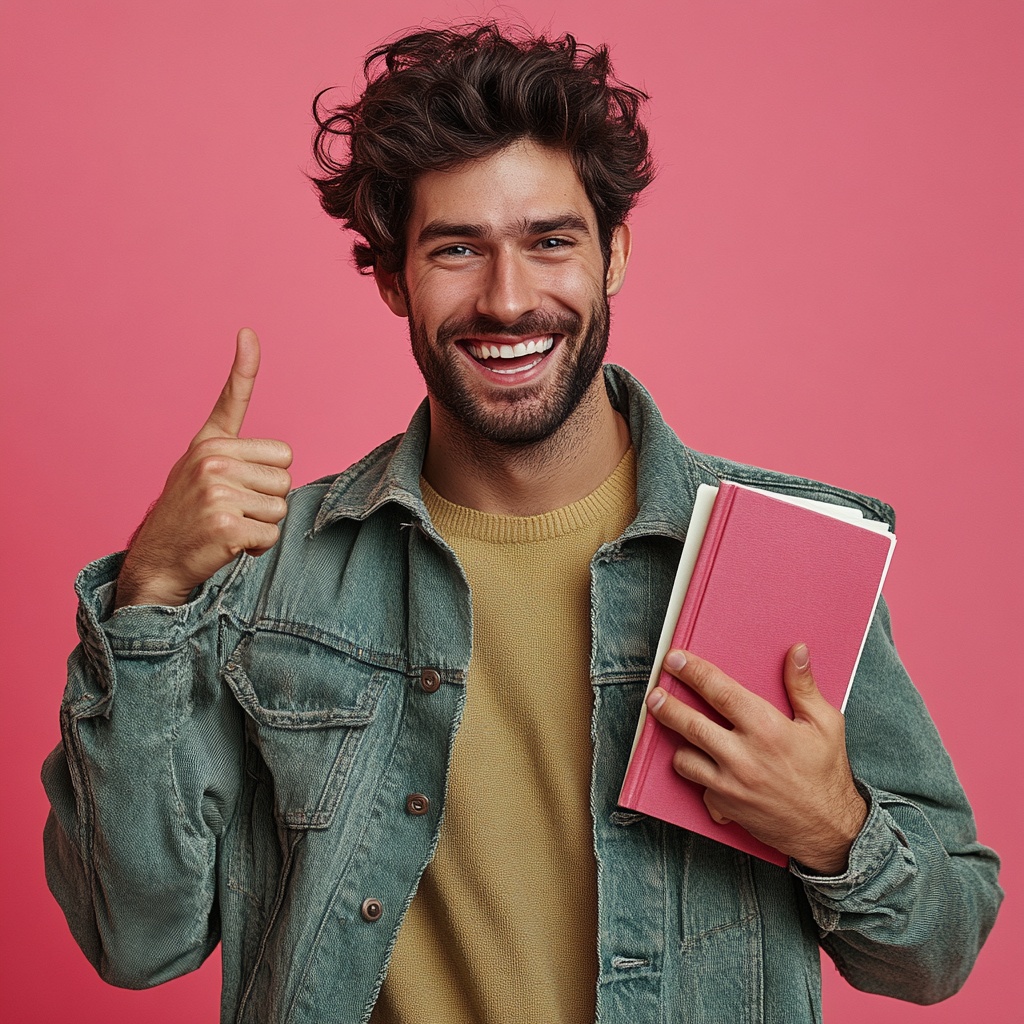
826,280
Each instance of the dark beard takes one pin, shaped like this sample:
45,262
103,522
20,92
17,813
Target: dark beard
523,423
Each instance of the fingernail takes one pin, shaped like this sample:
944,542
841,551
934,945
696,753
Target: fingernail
675,660
655,699
801,659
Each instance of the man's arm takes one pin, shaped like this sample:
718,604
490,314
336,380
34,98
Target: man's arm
147,776
145,781
904,907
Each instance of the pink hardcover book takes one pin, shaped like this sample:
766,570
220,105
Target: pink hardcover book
759,573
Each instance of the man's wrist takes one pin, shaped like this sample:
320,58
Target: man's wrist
831,856
129,590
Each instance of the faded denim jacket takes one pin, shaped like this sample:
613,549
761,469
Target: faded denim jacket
237,770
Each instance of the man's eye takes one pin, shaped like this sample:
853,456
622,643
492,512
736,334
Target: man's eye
553,243
455,250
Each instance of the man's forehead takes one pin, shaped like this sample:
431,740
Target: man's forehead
524,188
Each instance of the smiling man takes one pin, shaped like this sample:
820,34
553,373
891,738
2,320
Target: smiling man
369,733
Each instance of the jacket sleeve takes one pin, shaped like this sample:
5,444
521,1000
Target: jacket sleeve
143,783
919,895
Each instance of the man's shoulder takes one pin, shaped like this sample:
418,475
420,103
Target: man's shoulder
715,468
670,470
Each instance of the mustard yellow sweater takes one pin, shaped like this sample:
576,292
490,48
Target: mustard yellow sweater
503,926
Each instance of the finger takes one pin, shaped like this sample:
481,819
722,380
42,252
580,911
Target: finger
229,412
266,508
716,814
732,701
265,479
803,691
239,533
262,537
228,454
693,764
689,723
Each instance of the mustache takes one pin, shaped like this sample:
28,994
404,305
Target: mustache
534,322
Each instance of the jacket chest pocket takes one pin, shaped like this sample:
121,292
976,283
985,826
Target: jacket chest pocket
717,891
309,705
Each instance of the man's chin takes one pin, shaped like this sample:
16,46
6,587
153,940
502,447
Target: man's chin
518,419
521,416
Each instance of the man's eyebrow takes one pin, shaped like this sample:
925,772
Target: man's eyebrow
449,229
560,222
438,229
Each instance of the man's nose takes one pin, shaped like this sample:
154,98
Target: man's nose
509,290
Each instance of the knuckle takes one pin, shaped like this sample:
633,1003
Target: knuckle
211,466
728,699
700,731
217,494
222,525
208,446
746,776
704,675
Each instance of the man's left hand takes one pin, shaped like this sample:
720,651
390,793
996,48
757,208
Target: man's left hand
786,781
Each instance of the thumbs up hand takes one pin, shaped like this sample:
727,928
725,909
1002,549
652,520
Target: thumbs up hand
225,495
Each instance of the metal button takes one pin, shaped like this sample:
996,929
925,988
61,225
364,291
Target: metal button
430,680
417,803
371,910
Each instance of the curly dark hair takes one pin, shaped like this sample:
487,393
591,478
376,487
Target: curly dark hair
437,98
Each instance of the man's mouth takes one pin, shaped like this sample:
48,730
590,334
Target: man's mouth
514,358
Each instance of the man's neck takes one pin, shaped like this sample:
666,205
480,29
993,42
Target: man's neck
504,480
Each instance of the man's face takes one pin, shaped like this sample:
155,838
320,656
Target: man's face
506,291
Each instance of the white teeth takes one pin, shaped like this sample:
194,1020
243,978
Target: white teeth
521,369
539,345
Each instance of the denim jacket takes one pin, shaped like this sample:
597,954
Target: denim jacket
237,770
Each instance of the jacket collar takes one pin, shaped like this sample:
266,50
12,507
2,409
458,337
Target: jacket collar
667,476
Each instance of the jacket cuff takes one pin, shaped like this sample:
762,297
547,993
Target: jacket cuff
138,629
880,861
135,631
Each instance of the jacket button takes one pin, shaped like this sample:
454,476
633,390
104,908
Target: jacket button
430,680
417,803
371,910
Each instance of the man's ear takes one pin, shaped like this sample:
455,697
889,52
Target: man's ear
622,241
391,292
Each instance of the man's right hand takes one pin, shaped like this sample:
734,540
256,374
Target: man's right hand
225,495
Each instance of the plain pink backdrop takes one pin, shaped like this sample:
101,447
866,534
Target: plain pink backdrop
826,280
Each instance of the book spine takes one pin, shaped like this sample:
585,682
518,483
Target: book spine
702,570
645,750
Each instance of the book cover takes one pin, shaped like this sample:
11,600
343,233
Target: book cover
759,573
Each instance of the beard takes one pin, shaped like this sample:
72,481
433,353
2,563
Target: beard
527,414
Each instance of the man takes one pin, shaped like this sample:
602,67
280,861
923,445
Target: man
273,703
